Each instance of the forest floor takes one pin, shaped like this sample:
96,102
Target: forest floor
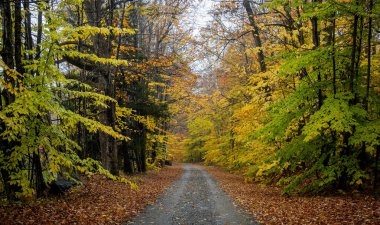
97,201
192,197
268,206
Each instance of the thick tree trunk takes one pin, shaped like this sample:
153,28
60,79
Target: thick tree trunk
39,181
103,117
18,33
7,98
255,34
128,164
301,37
114,165
112,145
7,51
358,55
103,147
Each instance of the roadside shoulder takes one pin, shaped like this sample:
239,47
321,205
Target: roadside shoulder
268,206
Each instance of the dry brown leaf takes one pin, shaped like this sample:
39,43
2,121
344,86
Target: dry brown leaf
98,201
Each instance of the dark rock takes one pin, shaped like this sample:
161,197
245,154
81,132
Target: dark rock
59,187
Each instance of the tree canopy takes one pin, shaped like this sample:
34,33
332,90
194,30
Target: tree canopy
295,100
291,95
85,87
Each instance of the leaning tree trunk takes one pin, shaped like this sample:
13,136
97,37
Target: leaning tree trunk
255,34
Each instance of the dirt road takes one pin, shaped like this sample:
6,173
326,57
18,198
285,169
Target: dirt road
194,199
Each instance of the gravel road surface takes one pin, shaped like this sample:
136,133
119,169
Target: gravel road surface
194,199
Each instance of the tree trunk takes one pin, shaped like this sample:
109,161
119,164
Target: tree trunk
369,37
333,56
40,185
316,42
114,165
28,30
18,33
7,57
128,164
142,142
353,54
375,176
255,34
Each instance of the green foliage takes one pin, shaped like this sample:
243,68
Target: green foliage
39,96
311,122
336,116
27,122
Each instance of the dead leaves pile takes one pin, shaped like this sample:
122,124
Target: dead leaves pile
269,207
98,201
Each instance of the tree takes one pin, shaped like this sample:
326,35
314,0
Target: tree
74,88
302,122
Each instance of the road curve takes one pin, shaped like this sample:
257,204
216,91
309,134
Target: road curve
194,199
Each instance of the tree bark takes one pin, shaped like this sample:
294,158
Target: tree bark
6,97
375,176
369,38
316,42
111,111
353,54
255,34
18,41
128,164
39,183
333,56
28,30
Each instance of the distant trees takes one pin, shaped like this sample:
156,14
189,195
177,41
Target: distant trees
298,107
83,81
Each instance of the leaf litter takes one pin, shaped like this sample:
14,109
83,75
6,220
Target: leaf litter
98,201
268,206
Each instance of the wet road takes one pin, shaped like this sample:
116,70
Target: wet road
194,199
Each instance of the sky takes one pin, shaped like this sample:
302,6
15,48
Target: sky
199,15
198,18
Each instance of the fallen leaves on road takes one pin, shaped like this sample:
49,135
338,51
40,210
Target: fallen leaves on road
98,201
269,207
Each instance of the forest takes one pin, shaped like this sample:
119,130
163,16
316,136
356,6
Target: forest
294,98
85,87
283,92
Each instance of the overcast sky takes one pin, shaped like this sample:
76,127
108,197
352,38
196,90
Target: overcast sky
199,16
